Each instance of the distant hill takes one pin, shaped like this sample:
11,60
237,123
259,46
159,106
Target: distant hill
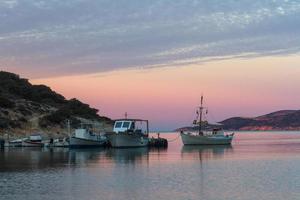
279,120
25,107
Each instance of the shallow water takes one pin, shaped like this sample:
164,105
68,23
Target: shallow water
258,165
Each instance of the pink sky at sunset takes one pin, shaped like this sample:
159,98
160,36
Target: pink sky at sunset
154,59
168,96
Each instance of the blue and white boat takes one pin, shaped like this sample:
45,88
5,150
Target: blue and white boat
86,138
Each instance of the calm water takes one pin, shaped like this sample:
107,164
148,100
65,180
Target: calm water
257,166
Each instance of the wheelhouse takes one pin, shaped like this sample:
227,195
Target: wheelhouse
131,125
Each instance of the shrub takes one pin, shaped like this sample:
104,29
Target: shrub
4,123
6,103
22,109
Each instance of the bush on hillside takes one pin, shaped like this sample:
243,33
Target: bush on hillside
6,103
72,109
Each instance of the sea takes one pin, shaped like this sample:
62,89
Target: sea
258,165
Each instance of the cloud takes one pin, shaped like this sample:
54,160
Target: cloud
53,37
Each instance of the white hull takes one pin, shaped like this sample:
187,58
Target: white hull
28,143
80,142
13,144
58,144
127,140
61,144
189,139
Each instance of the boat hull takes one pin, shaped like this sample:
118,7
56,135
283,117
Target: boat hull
123,140
14,144
58,144
28,143
61,144
189,139
81,143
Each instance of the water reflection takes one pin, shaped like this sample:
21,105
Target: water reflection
267,164
205,152
245,146
85,156
22,159
129,155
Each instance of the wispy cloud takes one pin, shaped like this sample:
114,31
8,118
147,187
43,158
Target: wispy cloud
56,37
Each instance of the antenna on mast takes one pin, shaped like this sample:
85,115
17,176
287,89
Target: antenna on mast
200,116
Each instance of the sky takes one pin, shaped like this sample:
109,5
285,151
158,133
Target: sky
154,58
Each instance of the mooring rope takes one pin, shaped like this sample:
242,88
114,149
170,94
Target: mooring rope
173,140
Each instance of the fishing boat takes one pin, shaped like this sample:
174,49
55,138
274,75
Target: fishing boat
126,133
58,142
16,142
34,140
86,138
214,137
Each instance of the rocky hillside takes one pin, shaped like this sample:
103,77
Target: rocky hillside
26,108
280,120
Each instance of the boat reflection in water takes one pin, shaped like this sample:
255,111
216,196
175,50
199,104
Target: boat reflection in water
206,152
32,158
128,155
85,156
23,159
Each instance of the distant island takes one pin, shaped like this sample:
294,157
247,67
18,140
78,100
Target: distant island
279,120
27,108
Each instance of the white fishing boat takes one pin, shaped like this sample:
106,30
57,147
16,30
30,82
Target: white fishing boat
126,133
33,141
16,142
86,138
214,137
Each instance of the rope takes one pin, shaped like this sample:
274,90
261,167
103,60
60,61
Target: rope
174,139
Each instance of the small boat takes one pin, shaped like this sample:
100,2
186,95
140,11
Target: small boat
86,138
127,134
58,142
214,137
16,143
33,141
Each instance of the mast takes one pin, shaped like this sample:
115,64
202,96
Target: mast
200,116
69,127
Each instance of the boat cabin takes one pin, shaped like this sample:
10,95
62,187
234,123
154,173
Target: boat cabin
217,131
131,125
85,134
35,137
